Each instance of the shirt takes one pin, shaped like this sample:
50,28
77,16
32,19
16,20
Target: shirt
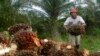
70,21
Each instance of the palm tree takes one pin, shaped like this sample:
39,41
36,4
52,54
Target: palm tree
51,9
5,13
9,15
54,8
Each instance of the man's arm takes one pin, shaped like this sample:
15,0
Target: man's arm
66,27
82,21
66,23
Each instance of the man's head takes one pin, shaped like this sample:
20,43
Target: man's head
73,12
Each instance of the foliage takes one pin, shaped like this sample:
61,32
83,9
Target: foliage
46,22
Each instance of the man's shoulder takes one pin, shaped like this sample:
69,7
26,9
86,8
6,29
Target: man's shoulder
79,16
69,17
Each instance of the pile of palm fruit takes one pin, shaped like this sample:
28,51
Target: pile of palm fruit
48,48
95,54
3,39
28,43
26,53
25,39
76,30
17,27
51,48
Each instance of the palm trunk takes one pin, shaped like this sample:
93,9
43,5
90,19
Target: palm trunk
54,29
55,33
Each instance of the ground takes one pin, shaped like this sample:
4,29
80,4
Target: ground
91,43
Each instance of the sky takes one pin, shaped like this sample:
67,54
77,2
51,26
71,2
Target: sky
82,1
37,8
72,0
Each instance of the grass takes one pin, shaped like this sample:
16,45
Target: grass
91,43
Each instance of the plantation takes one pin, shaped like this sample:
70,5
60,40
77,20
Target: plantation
36,28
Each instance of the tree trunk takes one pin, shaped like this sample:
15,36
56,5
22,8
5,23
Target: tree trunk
55,33
54,29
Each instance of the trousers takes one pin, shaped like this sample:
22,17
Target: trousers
74,40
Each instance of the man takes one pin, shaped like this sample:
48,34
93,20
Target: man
74,19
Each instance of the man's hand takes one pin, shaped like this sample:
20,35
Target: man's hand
66,27
70,23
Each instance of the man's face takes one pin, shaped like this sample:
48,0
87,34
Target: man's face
73,15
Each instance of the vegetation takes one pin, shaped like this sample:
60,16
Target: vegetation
47,17
89,42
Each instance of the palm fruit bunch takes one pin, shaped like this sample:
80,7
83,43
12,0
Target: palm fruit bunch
68,50
26,40
59,53
47,48
9,54
21,26
76,30
95,54
84,52
26,53
3,40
